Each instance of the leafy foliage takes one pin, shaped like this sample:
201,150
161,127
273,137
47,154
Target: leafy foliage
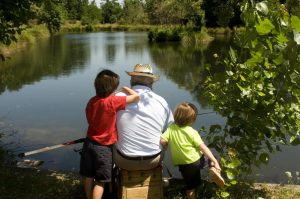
13,14
50,15
259,94
111,11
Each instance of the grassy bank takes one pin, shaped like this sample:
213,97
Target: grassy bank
37,184
28,37
76,26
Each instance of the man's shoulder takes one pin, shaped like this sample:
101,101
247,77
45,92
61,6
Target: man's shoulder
160,99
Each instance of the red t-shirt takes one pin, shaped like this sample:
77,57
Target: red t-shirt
101,114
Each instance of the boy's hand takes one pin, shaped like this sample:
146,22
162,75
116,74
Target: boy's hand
216,165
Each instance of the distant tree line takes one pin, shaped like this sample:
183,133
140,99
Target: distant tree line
16,14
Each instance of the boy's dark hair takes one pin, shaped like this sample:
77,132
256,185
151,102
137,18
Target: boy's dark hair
106,82
185,114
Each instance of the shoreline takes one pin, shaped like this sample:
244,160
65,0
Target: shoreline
40,183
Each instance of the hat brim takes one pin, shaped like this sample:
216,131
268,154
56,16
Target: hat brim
154,77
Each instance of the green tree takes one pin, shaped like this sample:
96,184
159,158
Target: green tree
259,94
133,12
111,11
222,13
50,15
75,8
175,12
92,14
14,14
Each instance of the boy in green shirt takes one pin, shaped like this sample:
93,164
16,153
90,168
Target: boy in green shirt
186,148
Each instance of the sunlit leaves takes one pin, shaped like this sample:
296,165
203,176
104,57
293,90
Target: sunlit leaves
264,26
295,23
260,97
262,7
232,55
296,37
295,140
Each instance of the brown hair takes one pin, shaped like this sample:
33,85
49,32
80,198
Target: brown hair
106,82
185,114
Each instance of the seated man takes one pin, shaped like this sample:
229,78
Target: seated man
140,125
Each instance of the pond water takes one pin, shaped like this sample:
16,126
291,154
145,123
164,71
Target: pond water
44,90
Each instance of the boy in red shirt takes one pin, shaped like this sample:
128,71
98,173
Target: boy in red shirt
96,158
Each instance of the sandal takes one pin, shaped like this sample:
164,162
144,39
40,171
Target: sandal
216,177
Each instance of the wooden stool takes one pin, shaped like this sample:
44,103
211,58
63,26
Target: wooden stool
142,184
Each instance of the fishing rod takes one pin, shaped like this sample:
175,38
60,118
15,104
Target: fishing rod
206,113
21,155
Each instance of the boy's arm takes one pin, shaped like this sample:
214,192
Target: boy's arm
132,96
206,151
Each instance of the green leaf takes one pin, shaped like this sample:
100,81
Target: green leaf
264,27
295,23
264,158
281,38
224,194
261,94
232,55
278,60
240,87
256,58
294,140
235,163
233,182
230,175
242,78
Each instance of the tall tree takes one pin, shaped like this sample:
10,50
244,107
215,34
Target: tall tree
222,13
92,14
111,11
50,15
75,8
175,12
133,12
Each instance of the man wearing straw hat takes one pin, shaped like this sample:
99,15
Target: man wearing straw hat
140,125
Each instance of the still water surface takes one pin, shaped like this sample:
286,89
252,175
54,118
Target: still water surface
44,90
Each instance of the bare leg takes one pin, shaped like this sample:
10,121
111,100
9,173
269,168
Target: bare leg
88,187
191,194
98,190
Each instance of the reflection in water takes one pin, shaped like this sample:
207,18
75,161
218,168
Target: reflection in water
185,65
44,90
49,58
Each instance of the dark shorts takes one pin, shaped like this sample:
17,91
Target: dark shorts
96,161
191,174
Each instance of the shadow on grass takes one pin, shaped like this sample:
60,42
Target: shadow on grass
207,190
29,183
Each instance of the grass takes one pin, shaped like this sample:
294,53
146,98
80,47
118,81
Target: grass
76,26
29,184
38,184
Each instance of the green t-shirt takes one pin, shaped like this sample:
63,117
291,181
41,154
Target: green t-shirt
184,144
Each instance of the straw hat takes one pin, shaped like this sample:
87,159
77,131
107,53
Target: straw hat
143,70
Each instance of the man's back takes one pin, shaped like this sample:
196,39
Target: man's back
140,125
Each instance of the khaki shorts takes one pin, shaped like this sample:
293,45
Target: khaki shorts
141,163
